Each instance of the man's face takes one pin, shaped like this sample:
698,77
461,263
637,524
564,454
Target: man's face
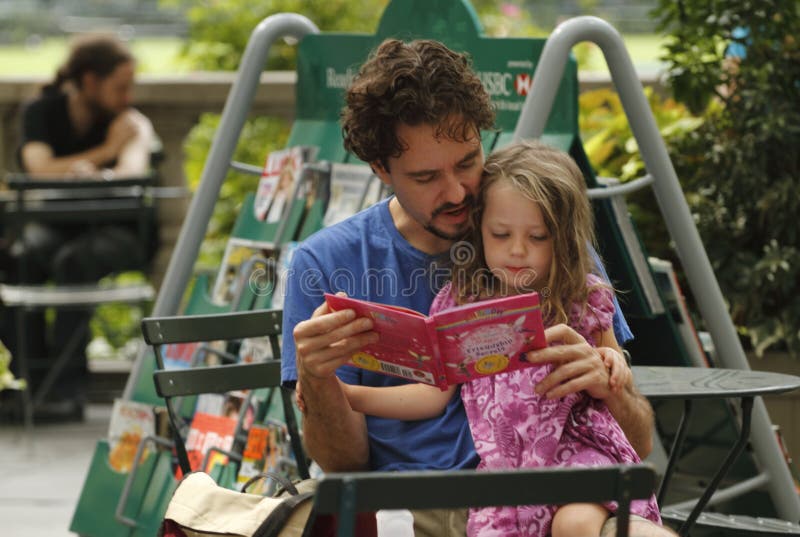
435,179
111,95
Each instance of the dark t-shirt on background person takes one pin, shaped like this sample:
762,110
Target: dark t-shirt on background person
47,120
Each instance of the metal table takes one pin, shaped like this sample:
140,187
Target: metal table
690,383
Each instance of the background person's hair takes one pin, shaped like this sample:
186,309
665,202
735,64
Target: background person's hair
100,54
421,82
551,179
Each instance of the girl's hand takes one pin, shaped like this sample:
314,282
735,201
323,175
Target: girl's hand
619,372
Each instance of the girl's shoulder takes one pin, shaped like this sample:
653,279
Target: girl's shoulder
598,313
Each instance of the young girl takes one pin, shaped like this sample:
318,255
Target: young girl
531,228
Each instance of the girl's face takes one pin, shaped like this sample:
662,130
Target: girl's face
517,244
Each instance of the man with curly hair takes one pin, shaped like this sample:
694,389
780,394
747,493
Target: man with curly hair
415,113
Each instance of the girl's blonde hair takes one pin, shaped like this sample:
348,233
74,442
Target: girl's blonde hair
551,179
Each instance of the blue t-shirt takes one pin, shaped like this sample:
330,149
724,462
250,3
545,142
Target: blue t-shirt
367,258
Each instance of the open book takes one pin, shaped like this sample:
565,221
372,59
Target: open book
452,346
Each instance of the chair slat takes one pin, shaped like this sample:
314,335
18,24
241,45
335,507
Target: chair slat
217,379
469,488
228,326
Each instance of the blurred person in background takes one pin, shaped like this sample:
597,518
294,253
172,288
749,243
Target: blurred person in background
82,125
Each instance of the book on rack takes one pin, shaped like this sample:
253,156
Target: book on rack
205,432
667,282
266,444
349,187
452,346
244,263
130,422
179,355
282,274
314,185
277,183
255,349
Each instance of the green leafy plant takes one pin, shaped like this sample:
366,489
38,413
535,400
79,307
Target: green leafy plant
613,152
7,380
741,168
118,323
219,30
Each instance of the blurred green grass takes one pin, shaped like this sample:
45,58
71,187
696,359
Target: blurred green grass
644,49
161,56
154,55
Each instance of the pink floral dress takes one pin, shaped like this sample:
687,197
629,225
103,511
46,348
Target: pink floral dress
513,427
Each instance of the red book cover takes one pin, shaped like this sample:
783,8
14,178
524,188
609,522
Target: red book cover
207,431
452,346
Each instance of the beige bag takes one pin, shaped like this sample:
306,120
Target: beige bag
200,507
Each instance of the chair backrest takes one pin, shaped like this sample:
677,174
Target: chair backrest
348,494
169,383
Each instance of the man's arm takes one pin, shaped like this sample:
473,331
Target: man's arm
134,156
335,435
38,160
635,415
579,366
128,141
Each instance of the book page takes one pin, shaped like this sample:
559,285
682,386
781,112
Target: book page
404,348
489,337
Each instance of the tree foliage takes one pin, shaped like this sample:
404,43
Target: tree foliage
741,168
219,29
613,151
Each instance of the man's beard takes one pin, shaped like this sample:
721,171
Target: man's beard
100,113
467,204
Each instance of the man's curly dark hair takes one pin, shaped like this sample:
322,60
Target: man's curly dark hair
420,82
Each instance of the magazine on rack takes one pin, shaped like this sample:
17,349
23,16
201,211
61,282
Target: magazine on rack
452,346
130,422
277,183
349,187
244,263
205,432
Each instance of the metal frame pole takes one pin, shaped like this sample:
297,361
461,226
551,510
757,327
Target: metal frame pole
674,210
201,208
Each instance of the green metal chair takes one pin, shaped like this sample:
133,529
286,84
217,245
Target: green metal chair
345,495
135,503
171,383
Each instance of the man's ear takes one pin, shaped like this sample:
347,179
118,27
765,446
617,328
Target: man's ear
89,82
381,172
